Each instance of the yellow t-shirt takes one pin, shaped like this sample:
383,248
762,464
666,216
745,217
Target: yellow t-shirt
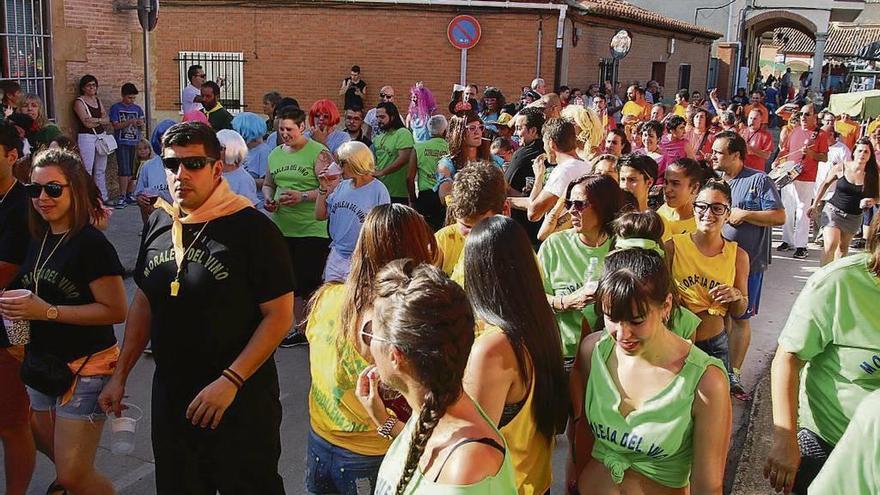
530,451
634,109
335,413
872,126
694,274
451,244
680,110
672,225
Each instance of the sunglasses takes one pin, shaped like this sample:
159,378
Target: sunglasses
383,95
475,127
717,209
367,336
190,163
53,189
576,204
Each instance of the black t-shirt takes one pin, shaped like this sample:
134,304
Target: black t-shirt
238,262
518,171
64,281
14,234
353,100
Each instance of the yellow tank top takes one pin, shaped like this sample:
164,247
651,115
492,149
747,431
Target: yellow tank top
336,414
695,274
673,225
530,451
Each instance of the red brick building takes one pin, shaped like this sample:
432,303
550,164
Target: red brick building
304,48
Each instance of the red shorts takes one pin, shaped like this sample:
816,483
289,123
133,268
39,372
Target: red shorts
14,404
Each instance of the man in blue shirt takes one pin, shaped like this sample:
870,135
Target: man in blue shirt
127,118
756,207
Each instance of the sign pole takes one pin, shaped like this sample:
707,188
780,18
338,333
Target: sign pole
464,66
147,110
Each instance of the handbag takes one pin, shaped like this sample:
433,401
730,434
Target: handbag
48,374
105,144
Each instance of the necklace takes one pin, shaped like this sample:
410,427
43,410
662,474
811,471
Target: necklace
175,284
14,182
38,269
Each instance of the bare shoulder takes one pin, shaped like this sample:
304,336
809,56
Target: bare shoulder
713,390
473,462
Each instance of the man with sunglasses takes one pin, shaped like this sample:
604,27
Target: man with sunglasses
756,208
191,96
215,296
15,431
808,144
386,94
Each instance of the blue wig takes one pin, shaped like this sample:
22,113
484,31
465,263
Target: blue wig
250,125
158,131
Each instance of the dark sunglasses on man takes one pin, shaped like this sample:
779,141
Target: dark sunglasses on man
190,162
53,189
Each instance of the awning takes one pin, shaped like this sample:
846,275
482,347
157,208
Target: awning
862,105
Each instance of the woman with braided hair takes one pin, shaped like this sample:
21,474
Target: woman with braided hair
420,338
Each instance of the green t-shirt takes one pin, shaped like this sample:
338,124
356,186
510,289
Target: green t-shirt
655,440
394,461
834,326
428,153
564,260
854,464
387,146
295,171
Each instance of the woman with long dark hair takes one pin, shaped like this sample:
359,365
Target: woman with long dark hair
593,202
684,179
341,428
699,133
825,367
75,279
653,402
420,338
515,370
856,188
466,144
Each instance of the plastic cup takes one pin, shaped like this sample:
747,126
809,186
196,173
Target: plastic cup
123,428
17,331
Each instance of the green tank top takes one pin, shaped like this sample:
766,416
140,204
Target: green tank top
296,171
503,482
428,153
655,440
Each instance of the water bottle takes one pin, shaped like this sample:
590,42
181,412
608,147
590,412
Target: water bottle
592,276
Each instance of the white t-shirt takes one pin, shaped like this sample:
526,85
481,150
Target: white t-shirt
567,170
187,97
837,153
370,120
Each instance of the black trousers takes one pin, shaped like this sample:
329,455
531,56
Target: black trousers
240,457
428,204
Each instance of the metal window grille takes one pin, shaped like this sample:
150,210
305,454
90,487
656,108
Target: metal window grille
227,67
684,76
608,70
26,46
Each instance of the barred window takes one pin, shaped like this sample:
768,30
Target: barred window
26,45
224,68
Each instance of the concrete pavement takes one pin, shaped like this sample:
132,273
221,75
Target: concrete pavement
134,474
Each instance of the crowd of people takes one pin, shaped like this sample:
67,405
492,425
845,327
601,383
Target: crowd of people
470,284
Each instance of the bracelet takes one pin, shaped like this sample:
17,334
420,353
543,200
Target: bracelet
233,377
322,192
384,431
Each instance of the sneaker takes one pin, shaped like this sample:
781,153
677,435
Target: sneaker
120,203
858,243
129,199
149,349
294,339
736,388
800,253
783,247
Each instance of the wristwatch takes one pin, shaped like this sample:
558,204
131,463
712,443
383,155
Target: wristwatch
304,197
52,313
384,431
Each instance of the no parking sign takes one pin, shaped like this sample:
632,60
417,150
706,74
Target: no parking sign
464,32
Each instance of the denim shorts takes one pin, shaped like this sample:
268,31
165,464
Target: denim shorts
717,347
332,469
82,406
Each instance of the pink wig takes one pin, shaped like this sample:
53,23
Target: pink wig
324,106
196,116
426,105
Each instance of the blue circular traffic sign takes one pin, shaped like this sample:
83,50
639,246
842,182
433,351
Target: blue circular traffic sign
464,32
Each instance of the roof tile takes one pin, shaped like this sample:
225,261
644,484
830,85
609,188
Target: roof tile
844,40
619,9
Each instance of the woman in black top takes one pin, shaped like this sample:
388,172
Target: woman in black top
92,122
75,278
856,188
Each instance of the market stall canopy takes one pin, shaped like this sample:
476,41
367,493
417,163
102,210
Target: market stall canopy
862,105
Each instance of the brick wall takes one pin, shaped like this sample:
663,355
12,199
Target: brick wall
90,38
312,66
648,46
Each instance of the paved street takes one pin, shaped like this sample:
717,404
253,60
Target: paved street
133,474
